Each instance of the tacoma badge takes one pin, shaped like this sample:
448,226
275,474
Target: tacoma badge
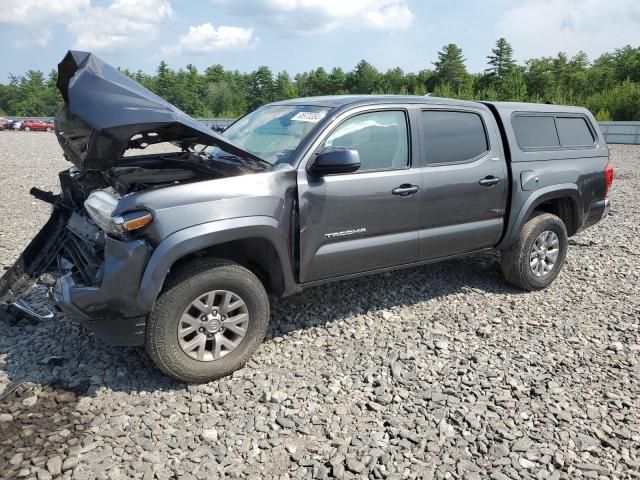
345,233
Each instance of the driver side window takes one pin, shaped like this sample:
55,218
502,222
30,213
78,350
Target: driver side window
381,139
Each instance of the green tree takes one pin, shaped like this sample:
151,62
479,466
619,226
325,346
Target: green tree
260,88
284,87
627,63
609,86
364,78
220,99
450,68
336,81
501,58
512,87
393,81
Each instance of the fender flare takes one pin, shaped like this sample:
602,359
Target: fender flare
189,240
564,190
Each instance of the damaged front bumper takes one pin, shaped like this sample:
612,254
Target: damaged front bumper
110,310
109,307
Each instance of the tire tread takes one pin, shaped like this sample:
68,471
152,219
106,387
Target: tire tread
514,265
173,293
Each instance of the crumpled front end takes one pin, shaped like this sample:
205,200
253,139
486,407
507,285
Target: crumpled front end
36,259
94,249
106,112
92,275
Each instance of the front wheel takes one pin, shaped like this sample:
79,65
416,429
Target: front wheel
534,260
208,321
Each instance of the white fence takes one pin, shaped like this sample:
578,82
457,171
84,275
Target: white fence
621,132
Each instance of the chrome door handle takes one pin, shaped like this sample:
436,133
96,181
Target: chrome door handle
405,190
489,181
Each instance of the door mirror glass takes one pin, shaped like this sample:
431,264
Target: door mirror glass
336,160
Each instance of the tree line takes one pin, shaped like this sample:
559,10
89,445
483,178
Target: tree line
609,85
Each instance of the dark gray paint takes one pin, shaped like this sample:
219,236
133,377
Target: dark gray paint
105,109
451,213
458,214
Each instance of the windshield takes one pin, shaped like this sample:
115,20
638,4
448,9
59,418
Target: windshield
273,132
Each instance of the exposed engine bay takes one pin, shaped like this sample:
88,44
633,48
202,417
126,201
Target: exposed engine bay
73,240
95,127
135,174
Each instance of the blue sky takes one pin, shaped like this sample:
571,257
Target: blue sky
297,35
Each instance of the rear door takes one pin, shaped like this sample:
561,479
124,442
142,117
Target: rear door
362,221
465,182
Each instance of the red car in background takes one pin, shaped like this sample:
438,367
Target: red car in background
36,125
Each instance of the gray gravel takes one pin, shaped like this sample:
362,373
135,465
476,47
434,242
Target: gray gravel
434,372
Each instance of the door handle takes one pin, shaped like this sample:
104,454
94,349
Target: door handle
489,181
405,190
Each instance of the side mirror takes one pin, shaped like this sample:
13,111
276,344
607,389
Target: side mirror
336,160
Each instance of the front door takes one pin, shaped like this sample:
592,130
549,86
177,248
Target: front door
367,220
465,181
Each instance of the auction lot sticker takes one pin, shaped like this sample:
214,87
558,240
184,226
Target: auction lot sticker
311,117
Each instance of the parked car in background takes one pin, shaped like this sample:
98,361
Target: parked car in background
14,125
36,125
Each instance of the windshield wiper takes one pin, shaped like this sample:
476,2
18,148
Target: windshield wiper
252,160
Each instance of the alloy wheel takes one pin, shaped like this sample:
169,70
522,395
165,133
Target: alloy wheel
213,325
544,253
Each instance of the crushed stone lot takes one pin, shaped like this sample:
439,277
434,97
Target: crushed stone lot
441,371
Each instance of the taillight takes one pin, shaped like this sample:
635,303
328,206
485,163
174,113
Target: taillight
608,174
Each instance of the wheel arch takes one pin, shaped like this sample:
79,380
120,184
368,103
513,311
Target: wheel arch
257,243
564,201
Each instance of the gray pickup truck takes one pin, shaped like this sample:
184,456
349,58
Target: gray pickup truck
179,251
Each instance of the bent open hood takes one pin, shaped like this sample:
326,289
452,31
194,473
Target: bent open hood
106,113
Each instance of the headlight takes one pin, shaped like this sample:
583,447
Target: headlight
100,207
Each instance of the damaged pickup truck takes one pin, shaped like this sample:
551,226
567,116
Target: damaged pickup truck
178,251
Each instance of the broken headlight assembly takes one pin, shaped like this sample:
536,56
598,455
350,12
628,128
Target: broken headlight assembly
100,206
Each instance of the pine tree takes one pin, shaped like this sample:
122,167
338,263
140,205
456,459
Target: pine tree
512,86
501,60
450,67
364,79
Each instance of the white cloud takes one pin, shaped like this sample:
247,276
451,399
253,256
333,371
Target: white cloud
546,27
206,38
398,15
120,23
41,39
123,22
37,12
314,16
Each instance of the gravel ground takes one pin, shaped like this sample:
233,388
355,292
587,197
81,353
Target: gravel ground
434,372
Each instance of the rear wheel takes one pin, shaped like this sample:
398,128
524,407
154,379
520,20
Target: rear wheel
534,261
208,321
26,129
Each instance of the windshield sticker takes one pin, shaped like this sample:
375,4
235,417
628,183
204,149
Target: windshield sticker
311,117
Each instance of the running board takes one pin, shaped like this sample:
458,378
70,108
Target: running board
23,307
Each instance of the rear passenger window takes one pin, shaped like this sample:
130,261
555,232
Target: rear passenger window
537,131
574,132
453,137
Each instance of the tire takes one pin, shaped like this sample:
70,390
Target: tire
27,129
191,282
518,261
